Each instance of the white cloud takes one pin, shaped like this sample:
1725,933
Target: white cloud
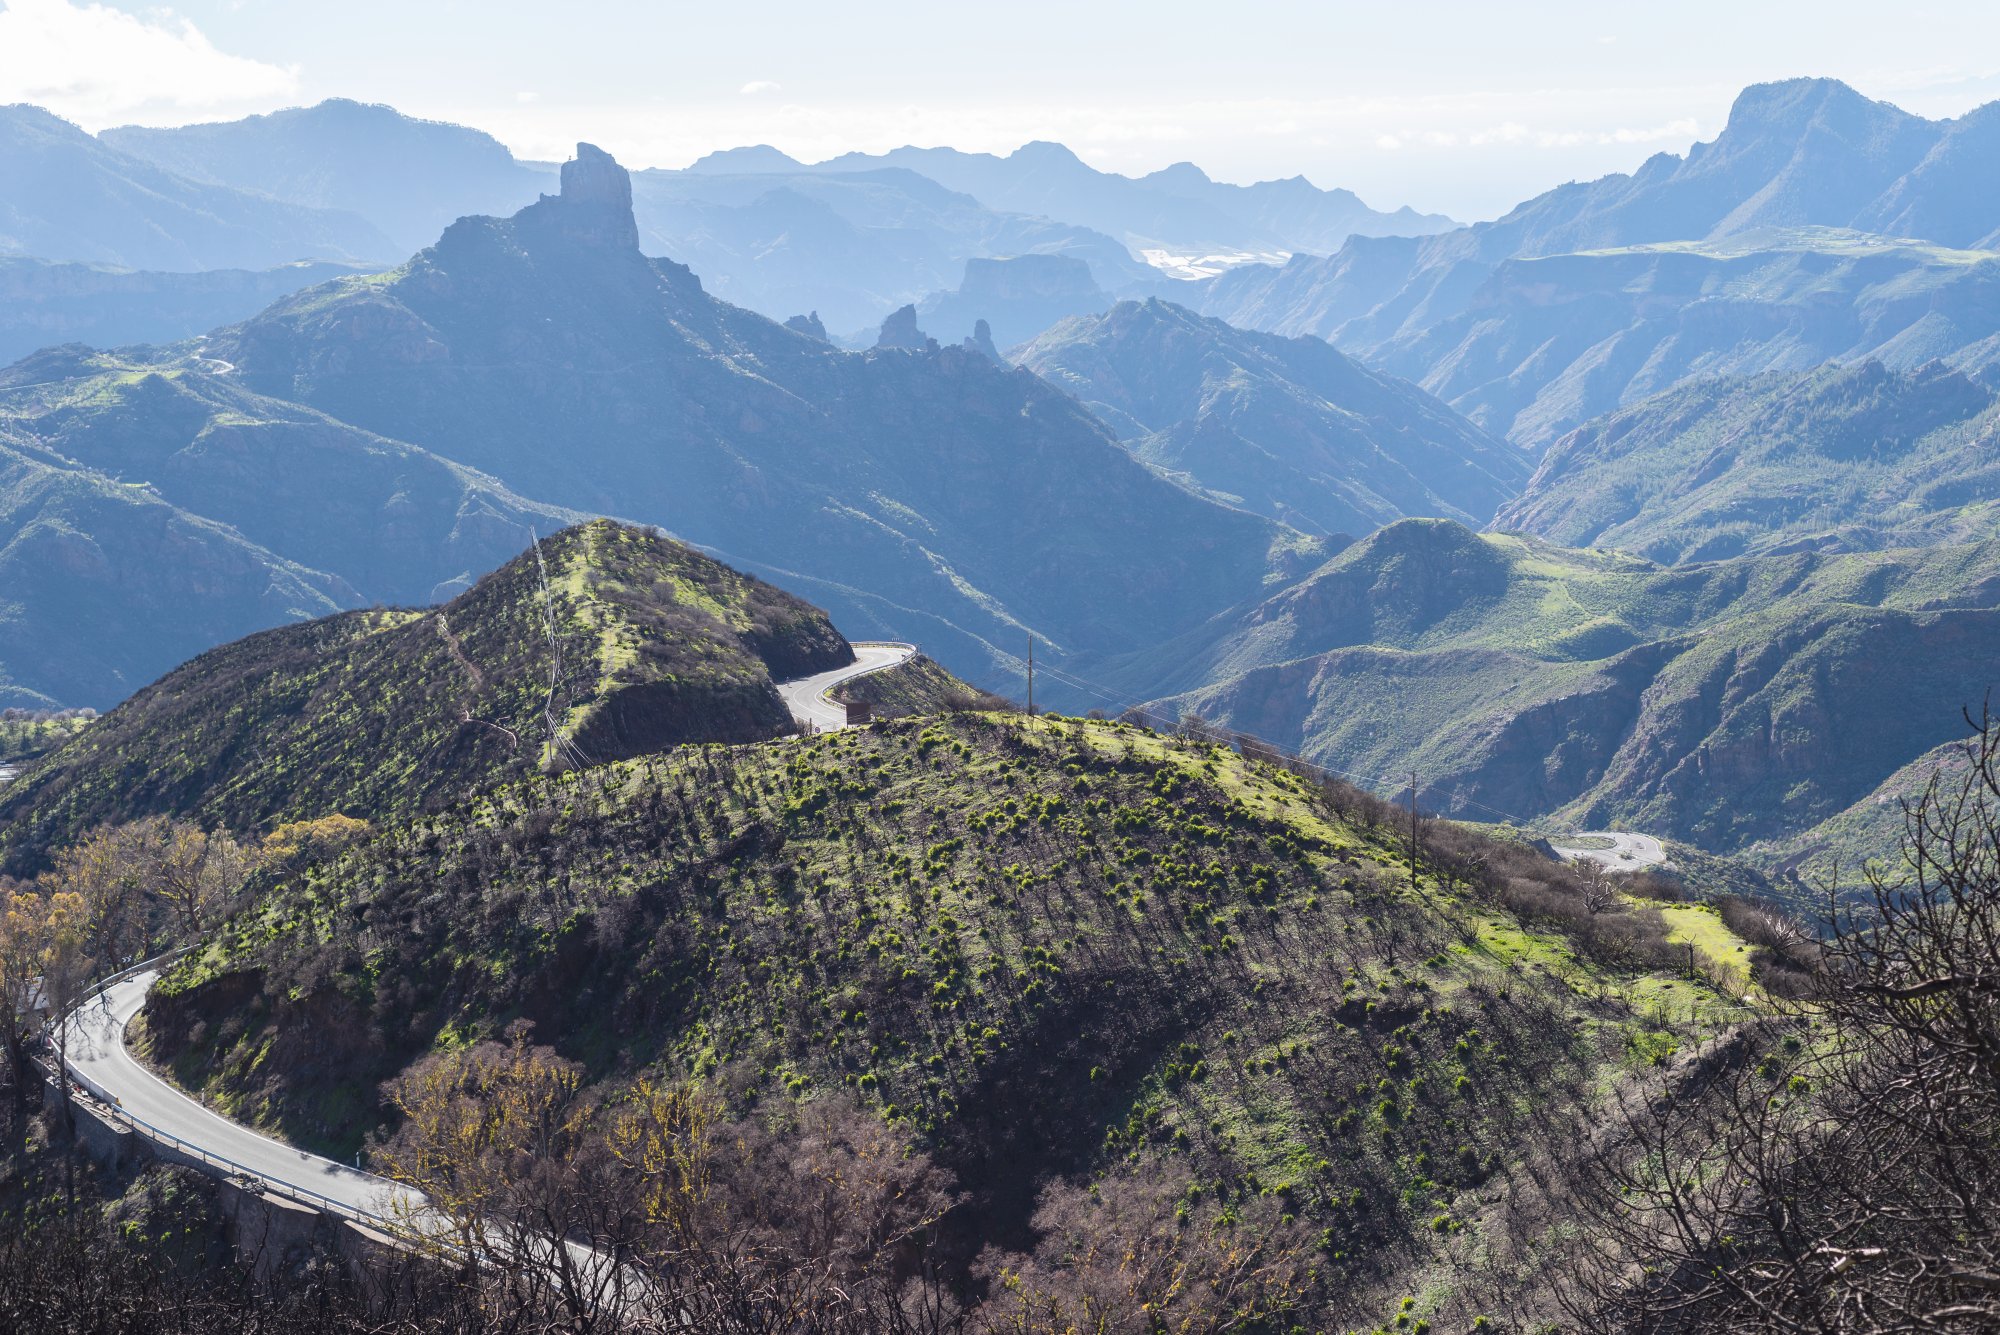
95,64
526,96
756,86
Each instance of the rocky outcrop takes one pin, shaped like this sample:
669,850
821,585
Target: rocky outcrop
809,325
900,331
595,206
981,341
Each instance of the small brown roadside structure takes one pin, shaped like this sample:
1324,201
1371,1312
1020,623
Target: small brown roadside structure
858,711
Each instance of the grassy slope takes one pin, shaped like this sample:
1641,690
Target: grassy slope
918,686
1849,458
392,521
379,713
1696,702
1046,946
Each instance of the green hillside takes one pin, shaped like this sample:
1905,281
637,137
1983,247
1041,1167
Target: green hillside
1285,427
1871,831
1040,946
1840,458
398,524
104,585
386,712
1720,704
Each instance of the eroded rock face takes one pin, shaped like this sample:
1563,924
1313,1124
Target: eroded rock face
597,199
900,330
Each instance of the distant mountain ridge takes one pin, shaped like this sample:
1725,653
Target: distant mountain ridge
1288,428
409,177
1794,157
963,497
44,303
69,196
1178,208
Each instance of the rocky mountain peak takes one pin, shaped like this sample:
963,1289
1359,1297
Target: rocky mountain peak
596,199
900,330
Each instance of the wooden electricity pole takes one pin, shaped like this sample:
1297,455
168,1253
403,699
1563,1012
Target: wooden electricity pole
1031,676
1413,829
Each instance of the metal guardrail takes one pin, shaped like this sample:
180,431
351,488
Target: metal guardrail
160,1135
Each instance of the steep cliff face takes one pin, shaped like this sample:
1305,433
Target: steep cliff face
595,206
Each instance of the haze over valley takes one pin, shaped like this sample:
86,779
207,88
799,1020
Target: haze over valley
844,737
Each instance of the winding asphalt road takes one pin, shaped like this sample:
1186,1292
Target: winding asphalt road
806,696
98,1056
1628,852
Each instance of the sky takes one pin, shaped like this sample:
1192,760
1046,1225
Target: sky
1447,106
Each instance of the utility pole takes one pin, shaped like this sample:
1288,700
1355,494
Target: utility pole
1031,676
1413,830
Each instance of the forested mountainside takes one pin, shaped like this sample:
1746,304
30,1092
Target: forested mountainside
1035,949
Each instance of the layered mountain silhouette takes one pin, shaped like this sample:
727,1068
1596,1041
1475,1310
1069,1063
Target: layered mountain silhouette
69,196
971,502
1286,427
1177,209
408,177
1718,262
1018,298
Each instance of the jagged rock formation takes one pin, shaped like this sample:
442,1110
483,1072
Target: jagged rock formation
809,325
980,340
1018,297
899,330
922,494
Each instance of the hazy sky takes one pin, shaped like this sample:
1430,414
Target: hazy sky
1452,106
